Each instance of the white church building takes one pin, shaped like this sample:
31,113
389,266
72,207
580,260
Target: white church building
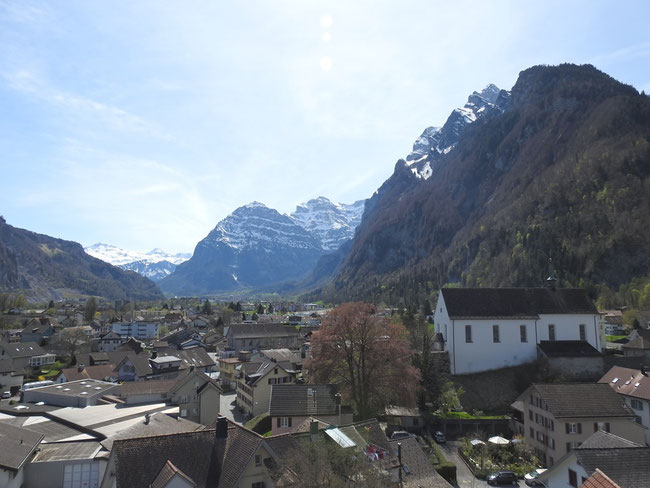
491,328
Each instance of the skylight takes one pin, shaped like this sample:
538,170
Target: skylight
614,380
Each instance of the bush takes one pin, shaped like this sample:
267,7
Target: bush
448,472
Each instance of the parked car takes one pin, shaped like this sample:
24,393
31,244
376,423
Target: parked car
6,394
439,437
502,478
531,478
400,434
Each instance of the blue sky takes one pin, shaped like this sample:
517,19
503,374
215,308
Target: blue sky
142,124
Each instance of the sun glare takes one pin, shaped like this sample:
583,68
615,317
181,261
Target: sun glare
326,37
326,63
326,21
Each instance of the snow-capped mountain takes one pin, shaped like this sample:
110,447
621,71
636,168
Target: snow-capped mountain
155,264
252,247
437,141
330,223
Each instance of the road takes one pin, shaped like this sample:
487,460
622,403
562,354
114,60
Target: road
228,408
464,477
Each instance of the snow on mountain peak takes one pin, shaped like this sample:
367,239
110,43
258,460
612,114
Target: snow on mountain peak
435,142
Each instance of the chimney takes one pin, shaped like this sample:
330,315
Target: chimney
222,428
147,419
313,430
80,368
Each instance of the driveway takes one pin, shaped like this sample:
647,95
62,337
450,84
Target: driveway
228,408
464,477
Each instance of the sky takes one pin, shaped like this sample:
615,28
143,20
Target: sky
143,124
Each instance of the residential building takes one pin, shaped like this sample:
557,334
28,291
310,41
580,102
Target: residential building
110,342
39,330
622,462
639,345
10,335
292,404
104,372
17,447
10,379
262,336
140,330
197,397
633,386
492,328
228,370
559,417
254,384
130,366
25,355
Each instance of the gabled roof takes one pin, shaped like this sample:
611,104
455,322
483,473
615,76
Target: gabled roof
515,302
38,326
100,372
568,349
16,445
167,472
625,466
628,382
642,341
148,387
208,460
599,480
299,400
605,440
21,349
418,472
256,371
586,400
197,357
110,336
139,361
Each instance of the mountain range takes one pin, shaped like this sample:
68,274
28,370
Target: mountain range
553,178
45,268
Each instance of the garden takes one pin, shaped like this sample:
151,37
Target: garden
484,458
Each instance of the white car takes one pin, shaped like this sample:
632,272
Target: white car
6,394
531,478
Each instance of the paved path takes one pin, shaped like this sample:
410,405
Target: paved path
464,477
228,408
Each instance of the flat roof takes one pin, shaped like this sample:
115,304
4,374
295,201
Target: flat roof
75,388
67,451
52,430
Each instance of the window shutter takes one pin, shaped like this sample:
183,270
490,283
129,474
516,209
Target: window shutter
579,428
606,426
567,430
568,446
595,426
278,421
289,421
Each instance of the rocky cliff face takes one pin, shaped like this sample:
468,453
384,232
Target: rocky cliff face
552,177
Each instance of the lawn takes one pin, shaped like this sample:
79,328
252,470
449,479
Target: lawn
614,338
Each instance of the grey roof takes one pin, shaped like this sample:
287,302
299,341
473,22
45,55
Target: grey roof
147,387
282,354
206,460
52,430
642,341
6,366
628,467
515,302
299,400
255,371
16,445
139,361
21,349
38,326
605,440
159,423
575,400
252,331
66,451
99,372
419,472
167,472
568,349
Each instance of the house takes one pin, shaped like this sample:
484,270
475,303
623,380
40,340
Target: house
638,345
633,386
10,379
292,404
283,355
10,335
130,366
17,447
142,392
199,322
25,355
197,397
110,342
409,419
416,467
104,372
492,328
262,336
228,370
558,417
623,462
228,456
39,330
140,330
573,360
611,322
254,384
197,358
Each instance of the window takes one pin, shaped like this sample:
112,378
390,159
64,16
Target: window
601,426
636,404
532,433
551,332
495,333
522,333
258,460
468,333
283,422
573,428
530,414
259,484
583,332
573,478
